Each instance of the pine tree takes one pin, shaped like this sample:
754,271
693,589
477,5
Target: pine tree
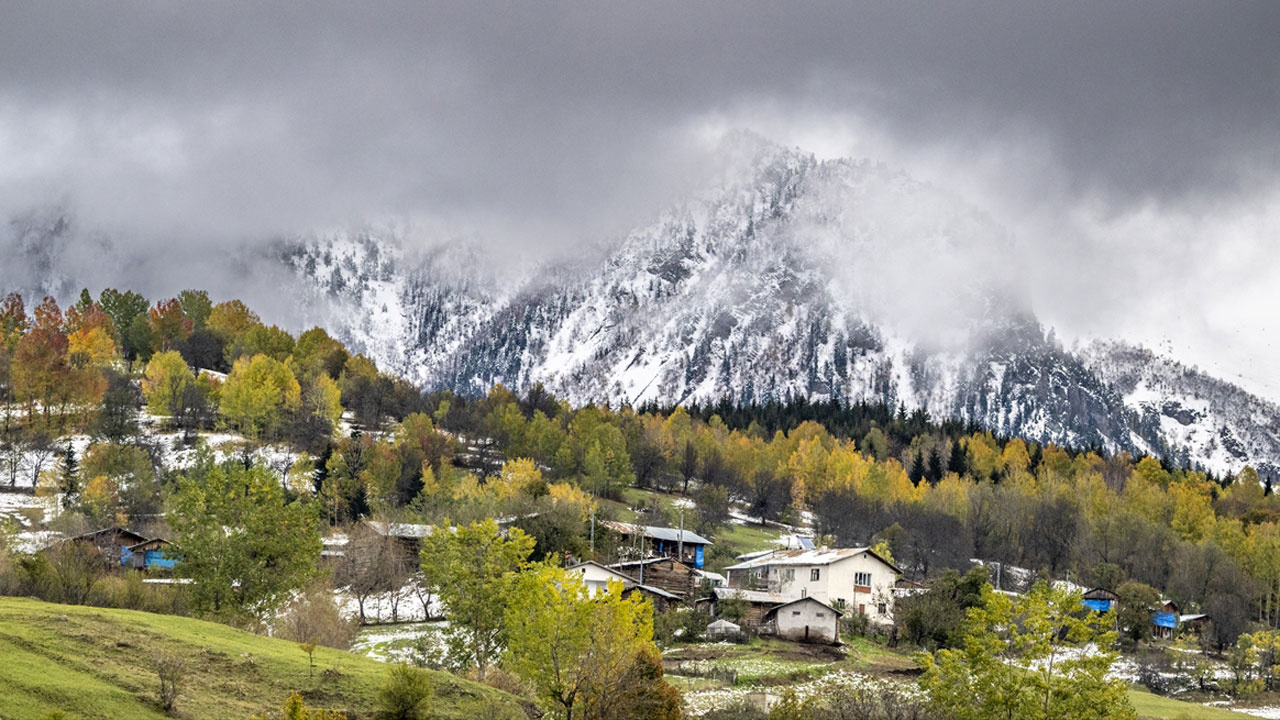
917,469
935,466
68,476
957,463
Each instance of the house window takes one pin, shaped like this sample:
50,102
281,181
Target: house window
795,613
822,614
882,608
804,592
789,575
813,574
862,579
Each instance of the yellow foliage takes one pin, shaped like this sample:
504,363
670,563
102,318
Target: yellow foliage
566,495
94,344
517,476
1193,516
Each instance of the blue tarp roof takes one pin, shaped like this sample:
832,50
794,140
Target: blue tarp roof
1165,620
1097,605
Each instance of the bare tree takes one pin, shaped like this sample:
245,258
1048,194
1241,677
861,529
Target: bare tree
420,586
373,563
171,669
39,451
314,617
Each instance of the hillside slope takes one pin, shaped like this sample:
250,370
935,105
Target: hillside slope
96,663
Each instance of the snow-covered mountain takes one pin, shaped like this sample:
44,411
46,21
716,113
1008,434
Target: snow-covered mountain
792,277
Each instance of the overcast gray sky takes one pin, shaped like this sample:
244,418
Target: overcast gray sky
1132,148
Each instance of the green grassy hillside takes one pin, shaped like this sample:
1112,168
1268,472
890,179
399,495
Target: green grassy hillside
95,663
1154,706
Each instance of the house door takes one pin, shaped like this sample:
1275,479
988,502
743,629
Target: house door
862,608
806,632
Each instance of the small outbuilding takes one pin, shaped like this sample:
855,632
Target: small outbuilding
721,629
1100,600
753,604
156,553
1165,621
1194,623
804,620
684,545
112,542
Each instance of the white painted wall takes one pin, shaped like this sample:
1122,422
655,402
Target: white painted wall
835,585
790,622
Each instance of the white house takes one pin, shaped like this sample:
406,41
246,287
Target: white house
596,576
844,578
805,620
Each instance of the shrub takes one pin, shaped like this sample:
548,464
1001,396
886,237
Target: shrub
405,695
313,617
171,669
740,710
296,709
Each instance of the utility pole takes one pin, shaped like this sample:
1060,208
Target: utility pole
680,544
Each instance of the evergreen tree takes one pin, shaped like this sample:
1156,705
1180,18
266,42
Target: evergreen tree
68,476
917,469
957,462
935,466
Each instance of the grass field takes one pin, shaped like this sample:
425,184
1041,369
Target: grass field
96,663
1154,706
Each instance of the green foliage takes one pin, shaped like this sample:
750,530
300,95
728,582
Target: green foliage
936,618
789,707
1136,605
258,394
474,569
406,694
196,306
244,547
166,382
1021,658
575,649
296,709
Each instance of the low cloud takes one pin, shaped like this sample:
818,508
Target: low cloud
1129,149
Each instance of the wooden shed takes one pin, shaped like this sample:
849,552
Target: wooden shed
758,603
1100,600
112,542
153,554
663,573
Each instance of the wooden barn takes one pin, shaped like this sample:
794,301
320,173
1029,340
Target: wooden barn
112,542
758,604
153,554
1165,621
664,573
660,599
1100,600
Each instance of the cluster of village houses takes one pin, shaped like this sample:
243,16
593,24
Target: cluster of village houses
797,592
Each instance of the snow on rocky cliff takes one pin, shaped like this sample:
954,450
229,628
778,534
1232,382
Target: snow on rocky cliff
835,279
